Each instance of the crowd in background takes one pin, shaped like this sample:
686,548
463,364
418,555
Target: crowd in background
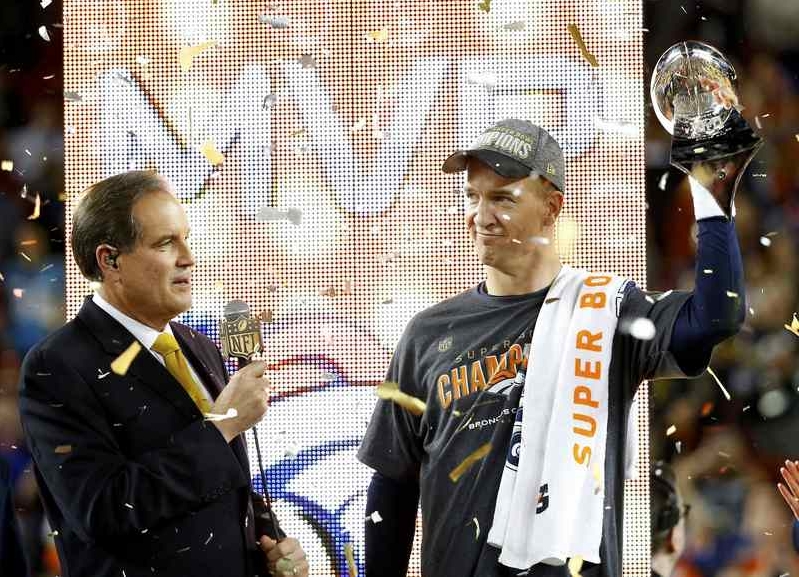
726,451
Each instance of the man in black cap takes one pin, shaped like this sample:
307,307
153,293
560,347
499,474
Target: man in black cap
668,520
467,358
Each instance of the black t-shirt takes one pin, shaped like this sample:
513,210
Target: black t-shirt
466,357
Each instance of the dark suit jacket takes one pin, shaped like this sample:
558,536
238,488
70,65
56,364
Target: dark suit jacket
132,477
12,557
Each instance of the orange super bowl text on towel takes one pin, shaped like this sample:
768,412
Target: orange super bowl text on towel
584,403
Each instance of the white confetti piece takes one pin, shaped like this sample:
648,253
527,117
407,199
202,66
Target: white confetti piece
732,295
718,382
708,271
671,430
45,3
642,329
216,417
476,528
44,34
765,241
664,178
375,517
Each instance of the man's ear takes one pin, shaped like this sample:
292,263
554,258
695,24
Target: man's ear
554,204
106,257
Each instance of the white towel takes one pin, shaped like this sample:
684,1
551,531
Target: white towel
552,467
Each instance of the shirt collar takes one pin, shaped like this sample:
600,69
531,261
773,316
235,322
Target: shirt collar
144,334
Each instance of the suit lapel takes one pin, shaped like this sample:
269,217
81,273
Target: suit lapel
115,338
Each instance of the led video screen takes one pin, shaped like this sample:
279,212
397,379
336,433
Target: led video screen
305,141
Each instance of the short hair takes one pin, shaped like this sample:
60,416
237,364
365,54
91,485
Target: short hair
105,216
665,510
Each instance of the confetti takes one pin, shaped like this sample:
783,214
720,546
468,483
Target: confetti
128,505
101,375
678,446
279,22
307,61
671,430
349,554
794,326
375,517
642,329
707,408
45,3
18,292
211,153
44,34
269,100
7,165
378,35
72,96
188,53
391,392
663,180
765,241
271,214
216,417
575,566
732,295
484,5
470,460
37,205
517,26
718,382
211,536
476,528
63,449
708,271
122,363
578,39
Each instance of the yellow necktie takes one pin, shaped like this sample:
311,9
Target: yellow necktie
166,346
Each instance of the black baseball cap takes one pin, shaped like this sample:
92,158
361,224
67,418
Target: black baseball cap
514,148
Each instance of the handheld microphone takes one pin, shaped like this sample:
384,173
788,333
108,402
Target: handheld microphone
240,334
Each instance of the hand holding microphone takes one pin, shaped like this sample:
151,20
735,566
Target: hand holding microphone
247,393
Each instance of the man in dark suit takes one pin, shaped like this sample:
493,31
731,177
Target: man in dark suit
134,479
12,557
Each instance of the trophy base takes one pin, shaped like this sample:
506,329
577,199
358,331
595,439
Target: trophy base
735,139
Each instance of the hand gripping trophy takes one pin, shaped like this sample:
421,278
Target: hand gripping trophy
694,94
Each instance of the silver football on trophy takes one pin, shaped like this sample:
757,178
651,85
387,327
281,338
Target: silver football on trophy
682,90
694,93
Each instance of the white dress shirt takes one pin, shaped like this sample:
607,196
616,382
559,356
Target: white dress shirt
146,336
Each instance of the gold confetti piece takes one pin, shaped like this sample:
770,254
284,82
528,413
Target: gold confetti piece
391,392
122,363
732,295
597,474
211,153
349,554
470,460
378,35
7,165
671,430
484,5
578,39
794,327
63,449
718,382
37,205
216,417
188,53
575,566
